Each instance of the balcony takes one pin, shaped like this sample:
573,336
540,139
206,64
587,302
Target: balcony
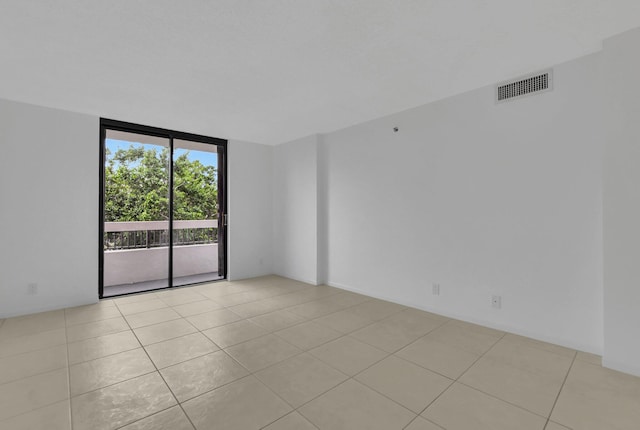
136,254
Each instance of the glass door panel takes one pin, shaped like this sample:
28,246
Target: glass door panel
196,209
136,232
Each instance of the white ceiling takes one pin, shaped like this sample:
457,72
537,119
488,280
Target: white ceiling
273,70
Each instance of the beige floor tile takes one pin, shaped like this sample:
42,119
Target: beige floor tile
134,298
308,335
179,297
32,342
296,298
415,321
406,383
32,363
143,306
348,299
344,321
218,290
316,308
555,426
293,421
352,405
534,392
377,309
535,360
212,319
34,392
438,357
277,320
195,308
120,404
319,291
31,324
339,301
463,408
274,302
589,358
177,350
101,346
348,355
477,328
99,373
264,351
164,331
53,417
464,338
301,378
199,375
594,397
421,424
234,333
147,318
252,309
90,313
386,336
97,328
521,340
237,298
242,405
169,419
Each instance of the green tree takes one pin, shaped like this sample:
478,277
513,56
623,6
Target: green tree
137,184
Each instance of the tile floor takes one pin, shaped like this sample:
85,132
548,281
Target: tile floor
272,353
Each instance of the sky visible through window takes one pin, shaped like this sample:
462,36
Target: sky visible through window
206,158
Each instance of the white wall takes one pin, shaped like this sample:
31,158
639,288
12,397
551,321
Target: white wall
483,199
622,204
250,210
295,206
48,208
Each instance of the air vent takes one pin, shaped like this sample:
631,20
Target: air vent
523,86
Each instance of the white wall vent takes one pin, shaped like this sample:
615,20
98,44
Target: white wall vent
531,84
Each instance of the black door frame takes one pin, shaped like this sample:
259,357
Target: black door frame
110,124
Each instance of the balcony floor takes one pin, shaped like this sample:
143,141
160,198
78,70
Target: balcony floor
118,290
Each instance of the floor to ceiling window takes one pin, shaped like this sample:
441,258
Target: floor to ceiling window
162,208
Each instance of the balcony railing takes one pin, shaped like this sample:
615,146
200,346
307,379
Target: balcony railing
154,234
138,251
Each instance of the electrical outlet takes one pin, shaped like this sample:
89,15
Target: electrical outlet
436,289
32,288
496,302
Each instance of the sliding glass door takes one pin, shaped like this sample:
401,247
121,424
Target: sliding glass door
162,209
196,212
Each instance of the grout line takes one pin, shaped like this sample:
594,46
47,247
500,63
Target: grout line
454,381
68,370
161,376
480,357
489,394
286,415
148,416
560,390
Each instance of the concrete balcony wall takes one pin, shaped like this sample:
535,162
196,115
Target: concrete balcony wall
138,265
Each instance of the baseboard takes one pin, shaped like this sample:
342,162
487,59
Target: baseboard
299,279
502,327
46,308
621,367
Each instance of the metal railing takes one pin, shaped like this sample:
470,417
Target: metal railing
155,234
